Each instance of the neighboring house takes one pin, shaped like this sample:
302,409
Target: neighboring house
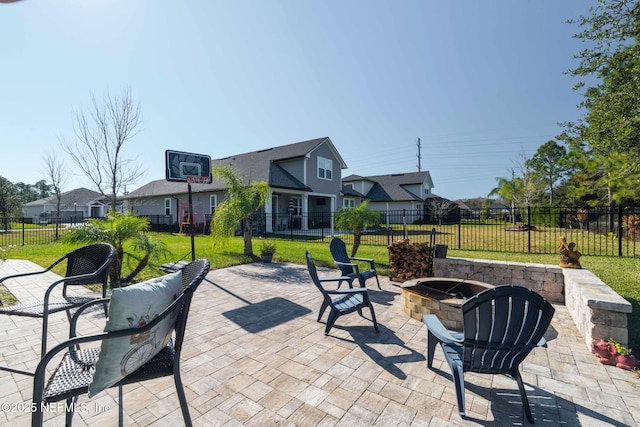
79,203
304,181
407,192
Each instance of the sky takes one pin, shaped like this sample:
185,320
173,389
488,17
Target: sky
481,83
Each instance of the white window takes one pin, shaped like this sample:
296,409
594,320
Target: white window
325,168
348,203
213,202
167,206
296,205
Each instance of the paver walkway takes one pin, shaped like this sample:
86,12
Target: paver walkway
254,355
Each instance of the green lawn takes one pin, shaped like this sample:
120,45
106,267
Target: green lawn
622,274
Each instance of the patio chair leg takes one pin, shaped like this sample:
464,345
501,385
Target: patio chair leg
432,342
333,315
181,396
526,409
120,407
458,379
68,416
373,317
322,309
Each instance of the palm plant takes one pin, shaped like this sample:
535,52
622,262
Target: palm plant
241,201
356,219
117,228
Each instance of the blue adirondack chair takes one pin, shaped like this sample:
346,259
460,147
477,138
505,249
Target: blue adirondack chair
500,328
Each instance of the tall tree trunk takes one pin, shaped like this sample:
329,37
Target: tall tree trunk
141,265
357,234
116,267
246,228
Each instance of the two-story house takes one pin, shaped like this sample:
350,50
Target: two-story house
304,181
405,192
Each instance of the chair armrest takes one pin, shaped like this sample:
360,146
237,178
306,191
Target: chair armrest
361,259
348,264
369,260
82,309
336,279
13,276
348,291
436,328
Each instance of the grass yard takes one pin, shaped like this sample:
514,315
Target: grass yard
622,274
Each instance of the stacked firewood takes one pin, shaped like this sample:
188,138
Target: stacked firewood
410,260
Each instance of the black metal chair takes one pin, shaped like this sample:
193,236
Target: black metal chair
347,267
84,266
347,300
500,328
75,372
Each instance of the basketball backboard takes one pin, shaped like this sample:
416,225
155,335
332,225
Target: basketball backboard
181,166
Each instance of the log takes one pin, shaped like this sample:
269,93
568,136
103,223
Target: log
409,261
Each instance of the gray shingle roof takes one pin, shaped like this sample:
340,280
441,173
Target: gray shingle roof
258,165
80,195
391,188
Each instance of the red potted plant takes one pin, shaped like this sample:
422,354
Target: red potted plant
624,358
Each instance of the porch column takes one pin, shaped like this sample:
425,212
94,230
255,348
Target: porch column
268,211
304,220
332,213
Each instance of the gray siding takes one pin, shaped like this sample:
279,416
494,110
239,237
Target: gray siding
319,185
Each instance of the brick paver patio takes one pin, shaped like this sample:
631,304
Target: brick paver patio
254,355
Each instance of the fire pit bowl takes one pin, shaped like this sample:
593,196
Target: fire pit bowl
440,296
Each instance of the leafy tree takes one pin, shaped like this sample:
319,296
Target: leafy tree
10,202
43,189
27,192
356,219
118,229
241,201
101,134
611,124
549,163
508,190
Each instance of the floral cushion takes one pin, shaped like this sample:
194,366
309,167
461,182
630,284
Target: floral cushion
135,306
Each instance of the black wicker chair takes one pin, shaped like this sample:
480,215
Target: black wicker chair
75,372
347,267
85,266
347,300
501,327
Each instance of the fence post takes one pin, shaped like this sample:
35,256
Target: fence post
23,231
529,228
620,230
459,229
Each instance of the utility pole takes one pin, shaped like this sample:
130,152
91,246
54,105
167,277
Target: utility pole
419,156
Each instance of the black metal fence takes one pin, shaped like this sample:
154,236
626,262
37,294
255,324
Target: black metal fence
612,231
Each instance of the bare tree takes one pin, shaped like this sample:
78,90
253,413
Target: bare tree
440,208
55,173
101,133
54,168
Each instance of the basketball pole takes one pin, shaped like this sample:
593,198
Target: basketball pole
193,246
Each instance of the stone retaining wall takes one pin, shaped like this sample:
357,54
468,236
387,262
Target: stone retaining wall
596,309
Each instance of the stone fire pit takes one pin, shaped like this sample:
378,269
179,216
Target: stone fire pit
440,296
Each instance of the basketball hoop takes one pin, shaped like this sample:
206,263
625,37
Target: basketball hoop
198,179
